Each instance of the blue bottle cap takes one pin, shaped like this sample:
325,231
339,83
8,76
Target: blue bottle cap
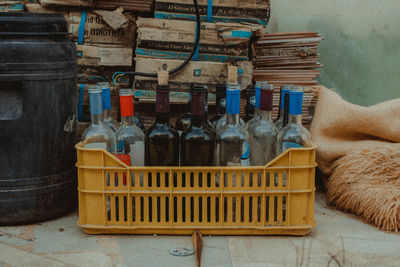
105,86
284,92
296,103
233,99
258,95
95,100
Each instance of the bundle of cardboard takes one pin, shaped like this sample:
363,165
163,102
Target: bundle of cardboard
253,11
105,34
289,58
12,6
163,44
173,39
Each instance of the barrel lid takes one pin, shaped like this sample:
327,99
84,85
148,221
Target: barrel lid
32,24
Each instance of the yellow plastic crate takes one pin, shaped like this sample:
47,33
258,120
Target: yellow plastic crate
276,199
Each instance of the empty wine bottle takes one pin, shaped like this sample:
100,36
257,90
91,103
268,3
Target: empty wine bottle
183,121
284,90
130,139
162,140
294,135
106,92
222,121
98,134
208,122
250,102
257,113
197,142
220,104
263,135
286,111
139,122
232,139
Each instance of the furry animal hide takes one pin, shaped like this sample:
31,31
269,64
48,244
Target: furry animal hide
367,183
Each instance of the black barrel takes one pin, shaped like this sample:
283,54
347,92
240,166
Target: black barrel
37,118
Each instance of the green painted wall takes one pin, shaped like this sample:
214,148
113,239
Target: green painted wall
361,50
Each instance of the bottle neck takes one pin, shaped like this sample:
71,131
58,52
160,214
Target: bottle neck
162,106
232,119
97,119
295,119
198,107
250,110
221,104
107,115
266,115
127,121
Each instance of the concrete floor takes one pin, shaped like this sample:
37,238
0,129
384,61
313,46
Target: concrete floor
338,239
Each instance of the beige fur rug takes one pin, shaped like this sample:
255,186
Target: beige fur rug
359,150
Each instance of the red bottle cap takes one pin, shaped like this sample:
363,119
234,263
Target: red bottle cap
266,99
126,102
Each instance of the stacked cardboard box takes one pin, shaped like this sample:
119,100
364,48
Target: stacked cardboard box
253,11
173,39
289,58
105,39
12,6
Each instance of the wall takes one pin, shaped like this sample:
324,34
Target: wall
361,50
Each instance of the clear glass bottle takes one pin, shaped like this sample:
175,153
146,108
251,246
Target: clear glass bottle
222,121
259,85
197,142
130,139
250,102
106,92
284,90
232,139
263,135
294,135
98,134
162,140
220,104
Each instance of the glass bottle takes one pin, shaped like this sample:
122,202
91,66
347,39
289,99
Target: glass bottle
286,112
98,134
232,139
222,121
294,135
162,140
208,122
257,111
284,90
139,122
263,135
183,121
106,92
197,142
250,102
130,139
220,104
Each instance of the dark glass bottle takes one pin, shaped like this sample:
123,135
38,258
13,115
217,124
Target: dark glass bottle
183,121
139,122
208,122
162,140
220,103
250,102
284,90
285,118
197,142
